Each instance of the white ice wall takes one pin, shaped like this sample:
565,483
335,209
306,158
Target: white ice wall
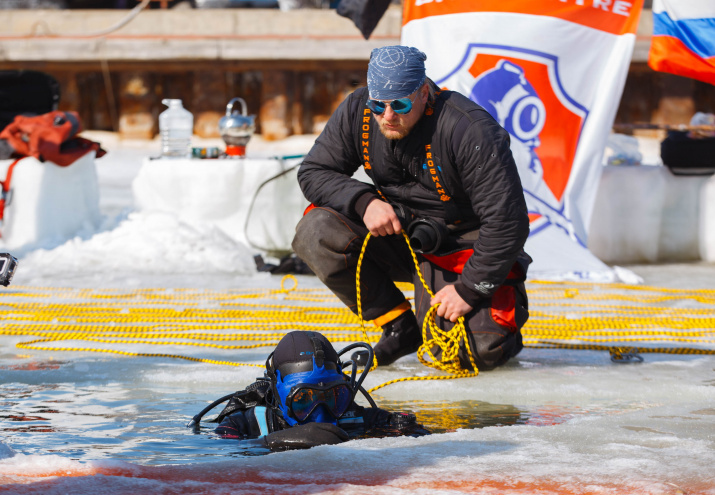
707,220
255,201
679,220
49,203
645,214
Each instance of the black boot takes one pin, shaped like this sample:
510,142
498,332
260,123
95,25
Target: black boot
400,337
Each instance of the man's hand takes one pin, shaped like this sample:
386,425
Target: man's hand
451,304
380,219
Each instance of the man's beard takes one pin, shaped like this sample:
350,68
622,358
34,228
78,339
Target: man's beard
394,134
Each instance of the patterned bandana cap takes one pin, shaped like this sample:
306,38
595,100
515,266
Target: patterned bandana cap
395,72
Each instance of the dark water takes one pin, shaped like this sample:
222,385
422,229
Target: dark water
148,426
447,416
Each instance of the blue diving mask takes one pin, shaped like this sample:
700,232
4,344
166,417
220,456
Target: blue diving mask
318,396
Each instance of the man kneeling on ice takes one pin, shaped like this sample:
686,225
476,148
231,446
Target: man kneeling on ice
305,400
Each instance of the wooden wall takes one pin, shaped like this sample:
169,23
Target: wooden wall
292,98
286,101
660,98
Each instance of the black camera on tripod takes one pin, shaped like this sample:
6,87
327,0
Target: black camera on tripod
426,234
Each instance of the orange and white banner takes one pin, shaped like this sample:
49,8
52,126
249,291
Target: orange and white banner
551,72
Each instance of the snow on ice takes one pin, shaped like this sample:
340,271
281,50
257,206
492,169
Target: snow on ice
550,421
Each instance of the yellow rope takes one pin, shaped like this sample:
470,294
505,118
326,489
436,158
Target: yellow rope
31,345
448,342
373,365
617,318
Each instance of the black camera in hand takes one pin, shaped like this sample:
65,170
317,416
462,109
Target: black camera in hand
426,234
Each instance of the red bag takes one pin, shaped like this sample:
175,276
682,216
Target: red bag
49,137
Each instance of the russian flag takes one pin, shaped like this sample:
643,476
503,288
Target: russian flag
684,38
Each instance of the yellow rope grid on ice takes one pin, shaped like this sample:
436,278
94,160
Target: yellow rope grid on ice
618,318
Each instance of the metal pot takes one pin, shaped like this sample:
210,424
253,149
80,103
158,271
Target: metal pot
237,128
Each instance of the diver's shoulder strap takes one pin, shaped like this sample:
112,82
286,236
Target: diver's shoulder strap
261,413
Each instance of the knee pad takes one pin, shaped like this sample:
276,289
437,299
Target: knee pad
323,234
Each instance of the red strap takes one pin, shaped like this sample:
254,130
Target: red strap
310,207
6,186
453,262
503,307
503,301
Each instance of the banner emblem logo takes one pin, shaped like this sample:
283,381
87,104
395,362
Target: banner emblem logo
522,90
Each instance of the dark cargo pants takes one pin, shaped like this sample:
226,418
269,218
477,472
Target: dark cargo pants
330,244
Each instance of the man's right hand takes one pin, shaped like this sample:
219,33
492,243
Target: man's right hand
380,219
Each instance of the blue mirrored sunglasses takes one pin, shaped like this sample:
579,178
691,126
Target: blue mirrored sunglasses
401,105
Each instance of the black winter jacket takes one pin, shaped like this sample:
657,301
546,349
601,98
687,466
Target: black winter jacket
472,162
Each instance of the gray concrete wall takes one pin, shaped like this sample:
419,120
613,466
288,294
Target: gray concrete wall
189,34
205,34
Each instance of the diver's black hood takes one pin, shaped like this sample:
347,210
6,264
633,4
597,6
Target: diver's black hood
296,350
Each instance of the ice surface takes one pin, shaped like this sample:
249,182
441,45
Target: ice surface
155,242
565,424
550,421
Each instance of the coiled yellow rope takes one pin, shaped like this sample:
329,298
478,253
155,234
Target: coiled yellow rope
448,341
433,337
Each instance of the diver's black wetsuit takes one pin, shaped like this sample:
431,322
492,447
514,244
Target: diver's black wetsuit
249,416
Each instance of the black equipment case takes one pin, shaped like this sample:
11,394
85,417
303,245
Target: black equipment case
26,92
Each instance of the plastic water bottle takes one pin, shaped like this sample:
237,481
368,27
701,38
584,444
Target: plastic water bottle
176,125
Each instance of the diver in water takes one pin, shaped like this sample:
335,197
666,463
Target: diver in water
305,400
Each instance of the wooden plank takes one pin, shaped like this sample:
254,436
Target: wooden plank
676,104
137,98
209,102
275,112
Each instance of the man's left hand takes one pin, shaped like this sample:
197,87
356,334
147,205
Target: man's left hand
451,304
